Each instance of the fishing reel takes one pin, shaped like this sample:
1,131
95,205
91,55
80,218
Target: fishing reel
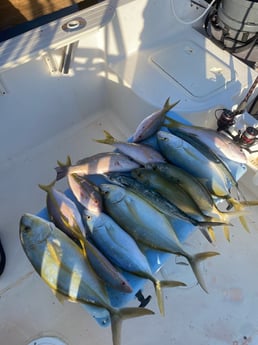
245,136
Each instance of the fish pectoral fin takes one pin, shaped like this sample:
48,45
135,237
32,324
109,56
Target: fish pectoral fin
110,229
133,210
61,298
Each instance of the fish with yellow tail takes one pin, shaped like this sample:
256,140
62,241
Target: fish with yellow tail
148,226
84,190
140,153
213,145
63,212
61,264
210,142
160,203
178,196
216,180
121,249
65,215
198,192
148,126
99,163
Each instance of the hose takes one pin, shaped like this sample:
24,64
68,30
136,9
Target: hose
194,20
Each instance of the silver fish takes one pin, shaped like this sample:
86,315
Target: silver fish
174,193
152,123
184,155
209,139
63,212
85,192
191,185
61,264
140,153
155,198
147,225
65,215
100,163
121,249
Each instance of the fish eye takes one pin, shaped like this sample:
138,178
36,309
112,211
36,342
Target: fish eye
88,217
26,228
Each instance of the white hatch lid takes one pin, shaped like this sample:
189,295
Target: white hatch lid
194,68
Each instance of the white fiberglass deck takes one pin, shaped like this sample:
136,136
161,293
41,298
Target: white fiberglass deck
45,117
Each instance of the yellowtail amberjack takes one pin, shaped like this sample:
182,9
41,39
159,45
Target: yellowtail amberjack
61,264
147,225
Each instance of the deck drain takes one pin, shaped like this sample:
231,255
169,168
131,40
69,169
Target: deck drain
47,341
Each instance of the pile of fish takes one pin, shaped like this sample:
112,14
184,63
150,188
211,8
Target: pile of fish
168,173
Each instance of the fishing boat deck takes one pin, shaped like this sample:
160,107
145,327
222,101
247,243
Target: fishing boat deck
229,277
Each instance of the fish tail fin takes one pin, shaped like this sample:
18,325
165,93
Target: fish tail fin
167,106
109,139
47,187
211,233
206,233
61,172
240,211
159,284
117,317
226,232
195,261
249,203
67,163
